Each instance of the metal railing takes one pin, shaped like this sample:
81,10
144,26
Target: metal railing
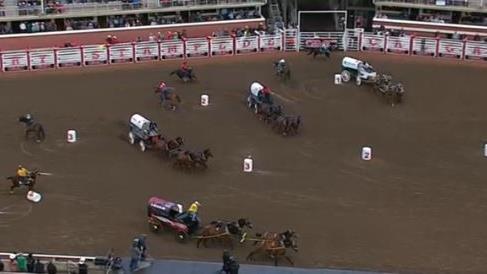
474,4
101,7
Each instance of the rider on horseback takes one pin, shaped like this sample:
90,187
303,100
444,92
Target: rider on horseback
185,67
164,90
280,66
23,174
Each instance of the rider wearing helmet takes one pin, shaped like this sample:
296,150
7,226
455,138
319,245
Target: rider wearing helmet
280,65
22,174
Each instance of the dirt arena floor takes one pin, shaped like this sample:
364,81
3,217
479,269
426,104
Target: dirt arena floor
420,205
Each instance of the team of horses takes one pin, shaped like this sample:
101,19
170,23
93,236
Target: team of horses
183,158
385,87
271,244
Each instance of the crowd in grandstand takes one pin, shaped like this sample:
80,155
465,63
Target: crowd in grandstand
129,20
438,17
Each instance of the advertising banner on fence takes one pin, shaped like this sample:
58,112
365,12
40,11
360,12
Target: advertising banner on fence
373,42
247,44
14,61
222,46
197,47
68,57
270,42
450,48
476,50
121,53
396,44
42,59
172,49
95,55
146,51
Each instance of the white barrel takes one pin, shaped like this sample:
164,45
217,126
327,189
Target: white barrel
366,153
248,164
34,196
205,100
71,136
338,79
485,150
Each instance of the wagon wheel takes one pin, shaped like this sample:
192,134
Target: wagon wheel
131,138
155,228
142,146
256,108
346,76
181,236
358,82
249,102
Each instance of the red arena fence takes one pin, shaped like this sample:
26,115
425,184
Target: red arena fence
209,47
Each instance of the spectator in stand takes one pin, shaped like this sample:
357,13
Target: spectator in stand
2,266
82,267
51,267
38,267
30,263
12,263
21,262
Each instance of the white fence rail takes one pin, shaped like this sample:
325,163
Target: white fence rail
288,40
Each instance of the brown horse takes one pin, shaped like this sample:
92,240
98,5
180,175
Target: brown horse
170,148
168,98
275,245
224,232
29,182
192,160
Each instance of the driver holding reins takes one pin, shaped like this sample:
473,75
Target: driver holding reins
22,174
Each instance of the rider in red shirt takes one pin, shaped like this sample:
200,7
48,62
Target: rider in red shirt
266,94
185,66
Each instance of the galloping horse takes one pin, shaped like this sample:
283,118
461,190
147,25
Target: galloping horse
224,231
385,87
275,245
268,112
32,127
287,125
173,147
320,51
169,99
29,183
283,71
184,75
191,160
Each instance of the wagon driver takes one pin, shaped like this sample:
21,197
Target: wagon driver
22,174
193,211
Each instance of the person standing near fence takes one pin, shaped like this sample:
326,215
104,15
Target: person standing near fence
135,254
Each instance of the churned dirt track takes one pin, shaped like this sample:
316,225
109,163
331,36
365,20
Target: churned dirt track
419,205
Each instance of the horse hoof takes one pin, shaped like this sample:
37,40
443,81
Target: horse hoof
11,192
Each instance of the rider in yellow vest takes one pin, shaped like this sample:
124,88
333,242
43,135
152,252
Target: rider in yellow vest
193,210
22,173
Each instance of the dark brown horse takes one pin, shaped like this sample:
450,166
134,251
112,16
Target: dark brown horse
287,125
29,182
275,245
224,232
185,75
168,98
33,128
191,160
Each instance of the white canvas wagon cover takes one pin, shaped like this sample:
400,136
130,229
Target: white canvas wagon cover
349,62
139,121
255,88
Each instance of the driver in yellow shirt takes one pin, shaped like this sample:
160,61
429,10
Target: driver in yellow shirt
193,210
22,173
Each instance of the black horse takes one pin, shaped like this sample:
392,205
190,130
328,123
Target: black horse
320,51
185,75
224,231
29,182
283,71
32,127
